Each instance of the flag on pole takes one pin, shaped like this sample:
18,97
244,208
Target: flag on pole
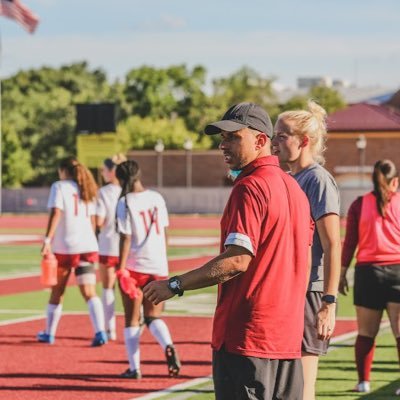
15,10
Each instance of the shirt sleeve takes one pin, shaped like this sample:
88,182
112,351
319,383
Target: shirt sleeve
351,238
247,211
124,223
163,214
101,210
55,197
324,198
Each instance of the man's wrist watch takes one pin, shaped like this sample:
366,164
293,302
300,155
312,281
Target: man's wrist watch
329,299
175,286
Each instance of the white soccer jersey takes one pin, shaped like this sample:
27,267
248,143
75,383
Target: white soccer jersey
74,233
106,208
145,217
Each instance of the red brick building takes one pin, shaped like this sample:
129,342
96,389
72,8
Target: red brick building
358,136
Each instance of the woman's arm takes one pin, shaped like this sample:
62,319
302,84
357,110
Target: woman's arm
350,242
328,228
54,219
124,249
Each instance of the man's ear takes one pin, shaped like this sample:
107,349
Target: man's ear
261,140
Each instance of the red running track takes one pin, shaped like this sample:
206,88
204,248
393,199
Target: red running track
32,283
71,370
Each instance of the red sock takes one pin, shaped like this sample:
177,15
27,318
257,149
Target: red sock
364,349
398,347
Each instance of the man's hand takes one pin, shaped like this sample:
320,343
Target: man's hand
343,284
326,321
157,291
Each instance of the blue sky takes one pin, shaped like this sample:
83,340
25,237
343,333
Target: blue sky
353,40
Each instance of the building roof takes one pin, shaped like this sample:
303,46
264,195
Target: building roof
364,117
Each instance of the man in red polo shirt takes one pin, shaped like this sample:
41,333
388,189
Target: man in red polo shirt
262,271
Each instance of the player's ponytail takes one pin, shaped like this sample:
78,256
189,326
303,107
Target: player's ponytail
82,176
384,172
127,174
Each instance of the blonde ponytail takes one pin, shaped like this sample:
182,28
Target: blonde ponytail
311,123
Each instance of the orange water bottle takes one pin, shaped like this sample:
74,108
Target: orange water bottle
49,270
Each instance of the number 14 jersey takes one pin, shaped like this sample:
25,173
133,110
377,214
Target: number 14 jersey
74,233
144,216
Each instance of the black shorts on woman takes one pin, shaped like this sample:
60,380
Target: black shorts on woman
376,285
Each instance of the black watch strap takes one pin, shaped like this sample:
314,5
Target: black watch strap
175,286
329,299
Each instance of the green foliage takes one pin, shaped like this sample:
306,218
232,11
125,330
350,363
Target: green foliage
152,103
328,98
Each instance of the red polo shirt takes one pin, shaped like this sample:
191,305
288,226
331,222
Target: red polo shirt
260,313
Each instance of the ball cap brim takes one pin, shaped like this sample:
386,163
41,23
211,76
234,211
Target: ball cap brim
219,126
241,116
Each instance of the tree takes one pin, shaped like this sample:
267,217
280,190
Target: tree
328,98
39,117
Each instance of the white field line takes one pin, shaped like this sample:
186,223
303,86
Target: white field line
43,315
350,335
175,258
19,320
175,388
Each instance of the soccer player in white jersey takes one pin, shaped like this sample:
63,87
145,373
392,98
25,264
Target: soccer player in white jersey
71,236
142,217
108,239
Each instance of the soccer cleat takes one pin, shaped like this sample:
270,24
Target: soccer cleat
128,374
174,365
44,337
99,339
362,387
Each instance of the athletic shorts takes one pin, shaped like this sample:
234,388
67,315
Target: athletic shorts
73,260
143,279
376,285
238,377
311,344
109,261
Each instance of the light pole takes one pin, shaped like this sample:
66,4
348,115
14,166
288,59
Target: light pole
188,146
361,144
159,148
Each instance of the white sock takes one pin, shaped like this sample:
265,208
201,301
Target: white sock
132,336
96,314
108,299
53,318
160,331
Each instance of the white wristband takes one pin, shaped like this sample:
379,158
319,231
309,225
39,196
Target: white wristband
46,240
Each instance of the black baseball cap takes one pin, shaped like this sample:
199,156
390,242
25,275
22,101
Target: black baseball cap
240,116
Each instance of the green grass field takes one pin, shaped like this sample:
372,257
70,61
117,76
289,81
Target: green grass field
337,374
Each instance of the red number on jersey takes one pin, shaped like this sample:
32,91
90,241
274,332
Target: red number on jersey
76,204
149,219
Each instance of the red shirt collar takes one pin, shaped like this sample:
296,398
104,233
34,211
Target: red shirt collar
258,162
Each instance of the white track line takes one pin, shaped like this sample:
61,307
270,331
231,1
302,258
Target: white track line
175,388
19,320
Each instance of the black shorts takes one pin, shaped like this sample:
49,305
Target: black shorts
311,344
375,286
239,377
